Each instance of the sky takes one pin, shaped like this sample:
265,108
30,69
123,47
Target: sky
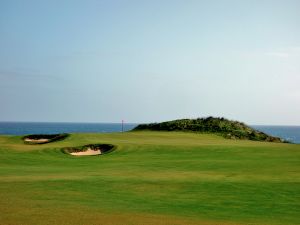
150,61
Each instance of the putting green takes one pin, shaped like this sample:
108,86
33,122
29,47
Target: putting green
150,178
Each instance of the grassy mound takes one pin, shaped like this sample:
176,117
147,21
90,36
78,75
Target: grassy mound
103,148
43,138
227,128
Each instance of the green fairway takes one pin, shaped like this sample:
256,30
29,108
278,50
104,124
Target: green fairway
150,178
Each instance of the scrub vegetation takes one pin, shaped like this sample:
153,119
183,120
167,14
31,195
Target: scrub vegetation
227,128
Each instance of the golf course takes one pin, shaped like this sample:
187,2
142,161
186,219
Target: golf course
150,177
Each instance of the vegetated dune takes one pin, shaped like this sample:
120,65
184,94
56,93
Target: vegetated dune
227,128
91,149
43,138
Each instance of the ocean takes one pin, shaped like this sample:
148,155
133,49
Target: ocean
289,133
22,128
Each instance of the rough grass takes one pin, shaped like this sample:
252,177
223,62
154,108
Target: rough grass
151,178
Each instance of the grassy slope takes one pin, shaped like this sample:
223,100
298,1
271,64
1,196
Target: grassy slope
152,178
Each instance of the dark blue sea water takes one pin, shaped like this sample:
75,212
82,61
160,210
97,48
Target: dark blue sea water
22,128
290,133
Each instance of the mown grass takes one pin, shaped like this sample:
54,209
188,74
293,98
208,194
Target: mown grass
151,178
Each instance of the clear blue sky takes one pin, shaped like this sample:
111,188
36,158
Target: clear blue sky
142,61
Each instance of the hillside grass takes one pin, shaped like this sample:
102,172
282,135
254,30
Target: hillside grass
150,178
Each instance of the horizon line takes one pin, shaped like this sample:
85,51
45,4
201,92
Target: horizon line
127,123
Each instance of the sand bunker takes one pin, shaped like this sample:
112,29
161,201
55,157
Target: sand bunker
89,151
43,138
86,150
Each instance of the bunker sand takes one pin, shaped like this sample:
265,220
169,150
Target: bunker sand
42,140
89,151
